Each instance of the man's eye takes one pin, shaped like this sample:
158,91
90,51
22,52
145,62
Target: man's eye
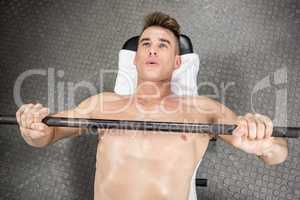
145,44
161,45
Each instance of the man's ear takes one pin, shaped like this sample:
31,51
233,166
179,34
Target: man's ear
177,61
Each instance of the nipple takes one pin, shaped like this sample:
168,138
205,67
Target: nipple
183,137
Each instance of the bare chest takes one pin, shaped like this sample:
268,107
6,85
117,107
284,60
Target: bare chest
150,145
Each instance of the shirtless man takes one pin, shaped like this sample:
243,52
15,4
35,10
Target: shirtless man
147,165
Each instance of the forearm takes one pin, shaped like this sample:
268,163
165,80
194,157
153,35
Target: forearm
271,150
64,132
276,153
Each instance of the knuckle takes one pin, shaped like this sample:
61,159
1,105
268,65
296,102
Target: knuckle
269,123
42,109
23,106
246,119
239,120
259,122
257,116
240,117
266,118
26,110
248,114
38,105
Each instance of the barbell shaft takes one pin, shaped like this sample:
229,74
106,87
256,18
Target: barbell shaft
94,124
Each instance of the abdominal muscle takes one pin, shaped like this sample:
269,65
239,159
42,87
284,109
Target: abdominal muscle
134,165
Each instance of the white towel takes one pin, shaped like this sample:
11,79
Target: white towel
183,82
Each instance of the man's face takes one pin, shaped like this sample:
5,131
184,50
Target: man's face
156,56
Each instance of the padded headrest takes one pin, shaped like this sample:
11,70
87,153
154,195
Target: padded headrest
185,44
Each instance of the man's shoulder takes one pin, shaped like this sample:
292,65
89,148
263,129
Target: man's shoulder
202,104
199,100
214,107
107,96
103,97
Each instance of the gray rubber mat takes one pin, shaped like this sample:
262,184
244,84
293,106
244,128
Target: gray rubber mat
247,49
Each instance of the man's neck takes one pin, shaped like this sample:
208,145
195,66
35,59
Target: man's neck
152,91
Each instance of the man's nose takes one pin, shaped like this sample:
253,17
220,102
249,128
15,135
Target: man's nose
152,52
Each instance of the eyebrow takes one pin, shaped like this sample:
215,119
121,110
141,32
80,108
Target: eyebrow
144,39
165,40
160,39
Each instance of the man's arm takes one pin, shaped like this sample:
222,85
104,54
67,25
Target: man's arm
38,134
253,134
63,132
83,110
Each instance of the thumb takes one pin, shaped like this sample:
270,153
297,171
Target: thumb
38,126
238,132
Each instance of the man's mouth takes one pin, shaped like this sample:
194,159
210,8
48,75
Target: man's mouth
151,63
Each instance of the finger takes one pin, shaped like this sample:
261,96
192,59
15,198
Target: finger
268,125
245,128
31,114
29,119
31,134
26,114
38,126
251,124
44,112
239,131
22,120
260,132
25,133
37,107
23,115
28,108
40,114
18,113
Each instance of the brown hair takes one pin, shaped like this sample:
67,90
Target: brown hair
165,21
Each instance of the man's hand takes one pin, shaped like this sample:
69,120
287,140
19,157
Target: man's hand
33,130
254,134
